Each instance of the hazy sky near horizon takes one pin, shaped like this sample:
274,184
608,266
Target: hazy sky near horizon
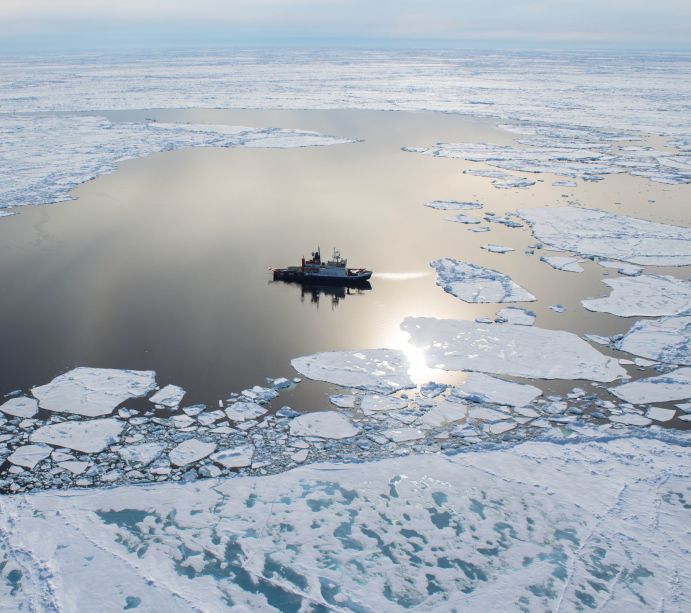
75,23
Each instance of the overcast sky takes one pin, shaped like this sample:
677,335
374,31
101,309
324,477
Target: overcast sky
74,24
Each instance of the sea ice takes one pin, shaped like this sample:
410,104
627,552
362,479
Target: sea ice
500,427
631,419
484,388
383,371
675,385
142,454
323,424
660,414
20,406
90,436
463,218
93,391
520,351
242,410
236,457
403,435
496,248
170,396
343,401
376,403
515,316
486,414
567,264
29,455
473,283
190,451
453,205
646,295
608,235
664,340
444,413
622,268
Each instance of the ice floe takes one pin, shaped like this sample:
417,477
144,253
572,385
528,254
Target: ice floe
29,455
90,436
608,235
444,413
622,268
375,403
141,454
484,388
190,451
496,248
21,406
660,414
646,295
453,205
474,283
170,396
93,391
675,385
235,457
566,264
521,351
377,370
463,218
664,340
515,316
243,410
323,424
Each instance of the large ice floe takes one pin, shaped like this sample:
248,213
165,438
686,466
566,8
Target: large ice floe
608,235
87,436
377,370
596,525
646,295
521,351
675,385
474,283
484,388
93,391
664,340
44,157
323,424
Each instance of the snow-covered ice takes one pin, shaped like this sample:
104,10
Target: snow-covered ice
567,264
190,451
474,283
444,413
660,414
376,403
496,248
403,435
243,410
383,371
93,391
235,457
29,455
622,268
664,340
21,406
631,419
463,218
608,235
170,396
485,388
343,401
516,316
521,351
675,385
646,295
141,454
323,424
453,205
90,436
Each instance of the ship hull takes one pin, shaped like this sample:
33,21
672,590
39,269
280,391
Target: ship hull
287,274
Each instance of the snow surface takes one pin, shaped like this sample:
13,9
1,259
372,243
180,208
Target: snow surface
608,235
521,351
323,424
170,396
21,406
567,264
474,283
663,340
675,385
646,295
484,388
383,371
93,391
90,436
545,527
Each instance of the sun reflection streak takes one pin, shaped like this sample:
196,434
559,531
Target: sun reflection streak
418,371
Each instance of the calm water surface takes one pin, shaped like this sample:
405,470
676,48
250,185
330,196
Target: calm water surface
164,264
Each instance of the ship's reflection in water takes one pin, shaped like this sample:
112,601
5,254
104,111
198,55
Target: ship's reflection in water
333,293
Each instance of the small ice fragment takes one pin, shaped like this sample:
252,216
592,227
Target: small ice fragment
558,308
287,412
323,424
565,184
375,403
515,316
484,388
169,396
21,406
242,410
90,436
190,451
236,457
453,205
675,385
182,421
660,414
630,419
142,454
403,435
300,456
282,383
500,427
194,409
485,414
343,401
567,264
74,467
496,248
622,268
29,455
465,219
444,413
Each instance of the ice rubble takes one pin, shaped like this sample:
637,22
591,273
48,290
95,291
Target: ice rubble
484,388
382,371
93,391
453,205
597,525
89,436
474,283
521,351
20,407
323,424
567,264
608,235
170,396
46,156
675,385
665,340
646,295
515,316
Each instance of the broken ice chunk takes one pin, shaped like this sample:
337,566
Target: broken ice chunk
567,264
675,385
242,410
93,391
484,388
446,412
190,451
473,283
382,371
515,316
622,268
453,205
29,455
403,435
323,424
500,427
236,457
21,406
646,295
630,419
74,467
521,351
375,403
665,340
90,436
170,396
486,414
143,454
660,414
343,401
496,248
465,219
